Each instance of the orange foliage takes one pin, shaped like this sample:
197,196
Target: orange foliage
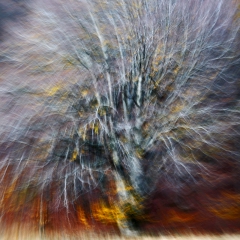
228,207
182,217
82,217
107,214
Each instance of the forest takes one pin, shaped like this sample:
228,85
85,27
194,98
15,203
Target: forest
120,116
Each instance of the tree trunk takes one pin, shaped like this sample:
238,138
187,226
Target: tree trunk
129,197
125,198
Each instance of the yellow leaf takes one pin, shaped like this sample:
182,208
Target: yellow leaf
53,90
74,155
84,92
96,128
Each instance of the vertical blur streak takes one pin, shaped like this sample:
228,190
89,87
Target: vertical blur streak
120,115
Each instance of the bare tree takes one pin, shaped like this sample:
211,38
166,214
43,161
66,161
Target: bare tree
143,94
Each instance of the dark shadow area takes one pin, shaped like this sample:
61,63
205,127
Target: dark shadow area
11,11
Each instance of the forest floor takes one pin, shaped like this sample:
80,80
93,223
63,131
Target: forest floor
24,234
112,237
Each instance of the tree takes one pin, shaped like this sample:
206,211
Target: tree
147,91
